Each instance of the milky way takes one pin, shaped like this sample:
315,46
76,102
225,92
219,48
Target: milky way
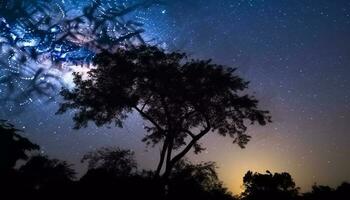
295,53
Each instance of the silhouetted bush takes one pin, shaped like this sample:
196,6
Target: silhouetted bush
113,160
13,146
43,177
322,192
268,186
196,181
343,191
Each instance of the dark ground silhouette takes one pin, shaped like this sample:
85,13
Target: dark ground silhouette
112,172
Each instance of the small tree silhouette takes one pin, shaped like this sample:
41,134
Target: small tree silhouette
343,191
268,186
112,171
323,192
196,181
182,100
114,160
43,174
13,147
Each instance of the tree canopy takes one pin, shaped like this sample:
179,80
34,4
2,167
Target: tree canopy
114,160
13,146
181,99
41,172
197,181
268,186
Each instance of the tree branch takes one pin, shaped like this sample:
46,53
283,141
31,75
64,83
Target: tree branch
191,144
187,115
189,133
170,149
144,105
149,118
162,156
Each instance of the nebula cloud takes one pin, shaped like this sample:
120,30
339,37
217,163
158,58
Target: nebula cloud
42,42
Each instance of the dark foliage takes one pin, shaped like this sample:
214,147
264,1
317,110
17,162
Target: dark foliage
112,173
112,160
38,176
269,186
196,181
112,170
42,176
281,186
13,147
181,99
321,192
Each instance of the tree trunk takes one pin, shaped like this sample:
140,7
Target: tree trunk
162,157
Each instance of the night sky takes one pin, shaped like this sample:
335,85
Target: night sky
295,53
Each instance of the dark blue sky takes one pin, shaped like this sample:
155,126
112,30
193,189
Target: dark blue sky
296,53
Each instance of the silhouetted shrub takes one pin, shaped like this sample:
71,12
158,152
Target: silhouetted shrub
268,186
13,147
113,160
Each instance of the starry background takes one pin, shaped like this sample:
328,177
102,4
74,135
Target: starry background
295,53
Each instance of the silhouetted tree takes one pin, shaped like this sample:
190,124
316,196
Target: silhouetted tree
196,181
113,160
343,191
268,186
112,171
323,192
13,147
319,192
182,100
42,176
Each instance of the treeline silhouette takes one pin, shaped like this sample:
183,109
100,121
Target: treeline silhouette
113,173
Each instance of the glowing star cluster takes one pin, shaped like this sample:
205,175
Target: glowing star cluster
42,41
